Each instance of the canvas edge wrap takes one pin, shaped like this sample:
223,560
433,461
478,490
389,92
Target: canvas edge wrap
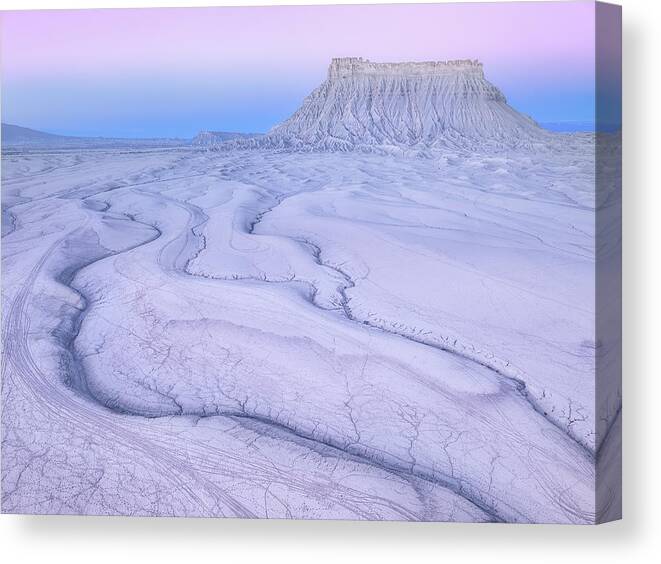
608,266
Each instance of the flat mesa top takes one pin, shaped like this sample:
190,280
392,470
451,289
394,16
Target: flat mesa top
351,66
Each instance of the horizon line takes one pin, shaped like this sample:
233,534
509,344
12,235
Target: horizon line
557,126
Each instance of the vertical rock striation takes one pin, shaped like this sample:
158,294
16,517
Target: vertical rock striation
364,105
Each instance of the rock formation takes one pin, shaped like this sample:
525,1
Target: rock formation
421,105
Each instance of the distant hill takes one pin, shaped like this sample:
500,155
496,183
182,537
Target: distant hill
17,137
213,138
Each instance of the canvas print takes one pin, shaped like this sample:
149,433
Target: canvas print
325,262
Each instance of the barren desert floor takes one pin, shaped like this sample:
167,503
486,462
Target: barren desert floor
251,333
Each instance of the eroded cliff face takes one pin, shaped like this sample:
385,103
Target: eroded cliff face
364,105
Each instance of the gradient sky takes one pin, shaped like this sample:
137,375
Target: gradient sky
173,72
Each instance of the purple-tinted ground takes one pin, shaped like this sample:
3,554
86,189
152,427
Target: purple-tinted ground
298,335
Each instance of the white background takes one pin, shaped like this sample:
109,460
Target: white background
635,539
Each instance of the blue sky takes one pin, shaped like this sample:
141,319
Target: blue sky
174,72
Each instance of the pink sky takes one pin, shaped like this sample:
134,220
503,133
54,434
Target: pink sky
527,47
100,41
